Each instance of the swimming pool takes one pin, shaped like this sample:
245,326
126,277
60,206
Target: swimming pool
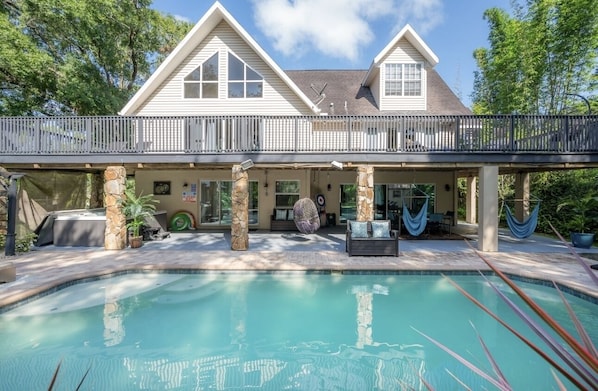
300,331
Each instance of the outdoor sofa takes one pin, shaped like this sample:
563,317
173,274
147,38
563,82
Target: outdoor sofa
371,238
282,220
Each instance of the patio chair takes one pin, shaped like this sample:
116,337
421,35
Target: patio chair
435,223
448,221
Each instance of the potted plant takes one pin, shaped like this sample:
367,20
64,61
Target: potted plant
585,216
136,208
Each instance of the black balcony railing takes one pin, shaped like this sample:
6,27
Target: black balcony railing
280,134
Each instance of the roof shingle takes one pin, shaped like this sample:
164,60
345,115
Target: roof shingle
344,94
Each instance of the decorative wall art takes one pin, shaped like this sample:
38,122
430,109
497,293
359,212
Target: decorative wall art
162,188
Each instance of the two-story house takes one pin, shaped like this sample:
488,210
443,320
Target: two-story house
220,75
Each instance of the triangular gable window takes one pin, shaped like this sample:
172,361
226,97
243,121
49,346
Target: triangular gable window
243,82
202,82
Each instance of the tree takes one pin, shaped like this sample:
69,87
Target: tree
82,57
543,51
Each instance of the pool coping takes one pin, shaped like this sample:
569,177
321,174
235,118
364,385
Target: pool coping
42,271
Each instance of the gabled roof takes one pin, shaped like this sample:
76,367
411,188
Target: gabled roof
345,95
411,36
198,33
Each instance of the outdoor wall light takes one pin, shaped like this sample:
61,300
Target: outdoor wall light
447,187
185,184
337,165
329,187
247,164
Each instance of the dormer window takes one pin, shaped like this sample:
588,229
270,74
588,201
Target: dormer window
243,82
403,80
203,81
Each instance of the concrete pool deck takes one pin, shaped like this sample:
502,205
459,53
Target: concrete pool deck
536,257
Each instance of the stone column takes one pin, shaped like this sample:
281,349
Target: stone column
365,193
239,228
488,209
115,237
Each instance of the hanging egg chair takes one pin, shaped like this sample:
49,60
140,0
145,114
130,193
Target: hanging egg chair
306,216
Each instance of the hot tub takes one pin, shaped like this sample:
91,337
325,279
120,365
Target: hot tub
76,227
79,227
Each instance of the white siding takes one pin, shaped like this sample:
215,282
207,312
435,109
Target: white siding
277,97
403,53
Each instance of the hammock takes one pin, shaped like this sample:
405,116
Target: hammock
415,225
306,216
522,230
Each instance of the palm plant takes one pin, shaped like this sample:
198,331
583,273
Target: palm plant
585,212
136,208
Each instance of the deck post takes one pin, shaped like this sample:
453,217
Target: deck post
488,209
240,206
522,195
470,200
365,193
115,236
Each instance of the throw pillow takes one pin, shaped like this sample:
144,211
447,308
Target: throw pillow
291,215
281,214
359,229
380,229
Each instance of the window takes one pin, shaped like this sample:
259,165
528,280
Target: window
243,82
348,206
412,81
216,203
287,193
403,80
413,195
203,81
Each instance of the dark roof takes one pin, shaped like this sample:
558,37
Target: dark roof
345,86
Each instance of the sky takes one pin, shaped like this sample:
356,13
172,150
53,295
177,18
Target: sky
348,34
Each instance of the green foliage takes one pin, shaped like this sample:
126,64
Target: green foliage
584,209
83,57
22,243
538,54
564,187
136,208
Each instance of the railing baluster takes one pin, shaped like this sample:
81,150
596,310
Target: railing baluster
280,134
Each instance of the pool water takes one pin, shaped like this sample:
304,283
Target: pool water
272,331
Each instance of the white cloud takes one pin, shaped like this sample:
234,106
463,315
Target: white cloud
338,28
423,15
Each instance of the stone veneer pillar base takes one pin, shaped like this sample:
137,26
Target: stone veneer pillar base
365,193
115,236
240,206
